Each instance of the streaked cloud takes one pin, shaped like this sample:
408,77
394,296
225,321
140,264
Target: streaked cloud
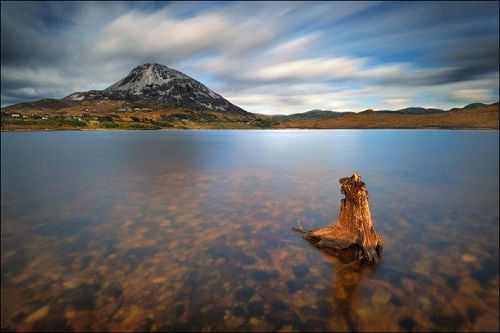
272,57
341,67
471,94
162,36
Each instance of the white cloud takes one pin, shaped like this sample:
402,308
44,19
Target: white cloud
292,98
226,64
326,68
472,94
162,35
139,33
397,103
290,49
279,65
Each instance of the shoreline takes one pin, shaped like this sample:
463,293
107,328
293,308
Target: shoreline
244,129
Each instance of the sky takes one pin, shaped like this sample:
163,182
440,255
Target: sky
271,58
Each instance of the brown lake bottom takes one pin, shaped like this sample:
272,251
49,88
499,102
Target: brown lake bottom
192,231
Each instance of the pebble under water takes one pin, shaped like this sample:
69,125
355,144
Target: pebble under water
191,230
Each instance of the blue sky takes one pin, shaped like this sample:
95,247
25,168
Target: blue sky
273,57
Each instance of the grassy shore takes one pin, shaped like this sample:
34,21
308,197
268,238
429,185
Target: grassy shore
100,115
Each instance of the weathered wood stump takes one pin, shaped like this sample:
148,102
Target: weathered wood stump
353,232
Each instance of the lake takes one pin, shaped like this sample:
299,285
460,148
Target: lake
191,230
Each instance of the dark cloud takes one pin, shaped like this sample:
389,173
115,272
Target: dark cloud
471,61
32,33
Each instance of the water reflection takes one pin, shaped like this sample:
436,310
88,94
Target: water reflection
130,238
347,279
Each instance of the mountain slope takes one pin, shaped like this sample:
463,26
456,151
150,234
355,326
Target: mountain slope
46,104
157,84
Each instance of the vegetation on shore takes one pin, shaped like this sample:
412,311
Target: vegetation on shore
112,114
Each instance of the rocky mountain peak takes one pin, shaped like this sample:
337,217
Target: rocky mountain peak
147,75
158,84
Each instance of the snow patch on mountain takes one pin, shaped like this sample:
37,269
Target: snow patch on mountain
159,84
76,97
147,75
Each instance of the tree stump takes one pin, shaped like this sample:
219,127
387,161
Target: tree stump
353,232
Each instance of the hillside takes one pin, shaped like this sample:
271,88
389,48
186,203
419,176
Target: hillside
118,114
479,116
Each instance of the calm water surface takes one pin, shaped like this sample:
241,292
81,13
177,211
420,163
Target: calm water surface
191,230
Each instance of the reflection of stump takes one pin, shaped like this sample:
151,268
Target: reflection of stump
354,229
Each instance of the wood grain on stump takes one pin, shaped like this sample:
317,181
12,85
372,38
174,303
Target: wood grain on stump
354,230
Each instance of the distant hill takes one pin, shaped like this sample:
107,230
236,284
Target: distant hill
471,106
47,104
327,114
310,115
475,106
417,110
475,115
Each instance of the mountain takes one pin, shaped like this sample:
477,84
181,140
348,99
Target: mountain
151,96
472,107
316,114
475,106
157,84
418,110
309,115
414,110
327,114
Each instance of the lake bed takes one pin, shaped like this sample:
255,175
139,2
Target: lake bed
191,230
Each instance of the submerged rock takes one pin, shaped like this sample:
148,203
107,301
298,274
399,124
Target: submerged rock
468,258
353,233
381,297
38,314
